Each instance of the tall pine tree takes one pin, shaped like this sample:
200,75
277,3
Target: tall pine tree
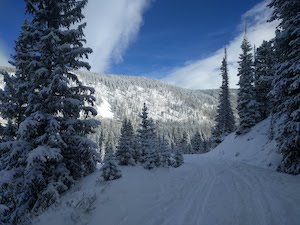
264,73
225,123
286,85
246,103
52,149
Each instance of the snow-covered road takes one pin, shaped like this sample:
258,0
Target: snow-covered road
204,191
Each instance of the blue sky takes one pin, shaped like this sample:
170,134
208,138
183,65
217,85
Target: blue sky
178,41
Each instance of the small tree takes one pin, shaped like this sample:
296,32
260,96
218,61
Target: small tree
109,170
196,143
177,158
165,152
125,151
184,145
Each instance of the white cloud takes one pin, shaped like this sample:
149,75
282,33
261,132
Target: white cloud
111,26
3,58
205,73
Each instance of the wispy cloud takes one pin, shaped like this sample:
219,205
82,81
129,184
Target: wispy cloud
205,74
3,57
111,26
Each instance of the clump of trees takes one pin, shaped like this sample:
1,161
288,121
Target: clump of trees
269,86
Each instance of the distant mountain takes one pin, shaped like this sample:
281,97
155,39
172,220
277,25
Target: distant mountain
174,109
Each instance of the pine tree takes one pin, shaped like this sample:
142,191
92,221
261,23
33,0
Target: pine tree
184,144
225,123
177,158
165,152
109,170
13,97
101,143
52,148
196,143
205,144
152,156
264,72
125,151
286,84
246,104
147,140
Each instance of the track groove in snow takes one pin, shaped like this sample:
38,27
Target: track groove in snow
204,191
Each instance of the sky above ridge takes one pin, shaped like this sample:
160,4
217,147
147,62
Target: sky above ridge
180,42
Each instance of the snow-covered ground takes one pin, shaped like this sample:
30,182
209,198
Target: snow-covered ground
253,148
203,191
217,188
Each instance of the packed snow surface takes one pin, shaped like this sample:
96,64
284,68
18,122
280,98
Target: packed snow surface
234,184
203,191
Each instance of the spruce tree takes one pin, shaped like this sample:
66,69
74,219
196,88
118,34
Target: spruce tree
225,123
184,144
109,170
165,152
14,95
246,104
147,140
52,149
286,84
264,72
125,151
101,143
177,158
196,143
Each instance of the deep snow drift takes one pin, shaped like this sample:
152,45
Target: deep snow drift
217,188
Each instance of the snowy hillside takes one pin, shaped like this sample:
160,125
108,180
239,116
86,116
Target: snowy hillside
253,148
198,192
120,96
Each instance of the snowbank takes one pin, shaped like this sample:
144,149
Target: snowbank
253,148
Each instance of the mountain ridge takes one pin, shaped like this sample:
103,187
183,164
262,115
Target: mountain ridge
173,108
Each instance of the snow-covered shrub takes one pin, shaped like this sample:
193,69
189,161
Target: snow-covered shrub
109,170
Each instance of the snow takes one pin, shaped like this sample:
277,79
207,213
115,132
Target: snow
203,191
104,110
217,188
253,148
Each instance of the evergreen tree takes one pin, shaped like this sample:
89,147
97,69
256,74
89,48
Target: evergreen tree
246,104
177,158
109,170
196,143
264,72
52,148
147,140
205,145
183,144
165,152
286,84
125,151
225,123
13,97
101,140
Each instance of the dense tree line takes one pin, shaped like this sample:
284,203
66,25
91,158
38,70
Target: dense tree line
269,85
